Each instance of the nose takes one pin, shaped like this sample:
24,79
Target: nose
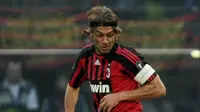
105,40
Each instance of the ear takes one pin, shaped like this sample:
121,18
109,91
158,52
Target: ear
91,37
117,37
90,34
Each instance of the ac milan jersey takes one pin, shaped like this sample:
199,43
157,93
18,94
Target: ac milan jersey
109,73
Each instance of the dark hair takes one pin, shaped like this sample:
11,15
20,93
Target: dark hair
102,16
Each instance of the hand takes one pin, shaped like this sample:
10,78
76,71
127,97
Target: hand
108,102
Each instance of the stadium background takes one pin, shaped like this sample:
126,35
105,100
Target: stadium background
57,24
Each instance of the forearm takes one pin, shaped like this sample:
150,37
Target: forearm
71,98
147,91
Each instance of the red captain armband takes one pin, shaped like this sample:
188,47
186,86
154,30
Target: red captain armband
146,74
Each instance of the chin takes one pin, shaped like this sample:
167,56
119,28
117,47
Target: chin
105,52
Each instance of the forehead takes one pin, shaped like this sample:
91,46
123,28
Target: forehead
104,29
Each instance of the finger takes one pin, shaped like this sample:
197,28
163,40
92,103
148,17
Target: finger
102,100
105,108
102,105
111,107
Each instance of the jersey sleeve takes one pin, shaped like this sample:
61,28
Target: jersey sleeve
78,75
136,66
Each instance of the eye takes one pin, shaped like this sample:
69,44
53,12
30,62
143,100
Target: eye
110,35
98,35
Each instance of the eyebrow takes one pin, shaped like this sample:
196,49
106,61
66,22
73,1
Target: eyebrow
107,33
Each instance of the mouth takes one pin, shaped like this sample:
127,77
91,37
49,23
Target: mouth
105,47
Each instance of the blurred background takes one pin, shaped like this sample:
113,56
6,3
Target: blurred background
36,83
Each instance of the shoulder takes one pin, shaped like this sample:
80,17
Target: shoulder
128,52
129,56
125,48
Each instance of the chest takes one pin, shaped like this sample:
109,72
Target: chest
102,69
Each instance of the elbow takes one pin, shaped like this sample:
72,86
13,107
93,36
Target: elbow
161,91
159,87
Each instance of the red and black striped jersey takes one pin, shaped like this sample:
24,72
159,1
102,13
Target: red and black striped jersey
109,73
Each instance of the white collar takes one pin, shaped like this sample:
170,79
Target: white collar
6,83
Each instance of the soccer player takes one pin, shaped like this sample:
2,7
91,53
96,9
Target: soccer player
119,76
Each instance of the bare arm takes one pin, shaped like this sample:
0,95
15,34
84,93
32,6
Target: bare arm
71,98
153,89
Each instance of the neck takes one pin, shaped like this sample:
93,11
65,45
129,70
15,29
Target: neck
97,52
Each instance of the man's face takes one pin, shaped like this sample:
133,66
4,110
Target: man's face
104,38
14,71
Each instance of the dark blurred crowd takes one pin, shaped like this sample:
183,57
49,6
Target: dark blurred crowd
89,3
26,90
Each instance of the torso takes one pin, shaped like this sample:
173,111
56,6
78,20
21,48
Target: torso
107,74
